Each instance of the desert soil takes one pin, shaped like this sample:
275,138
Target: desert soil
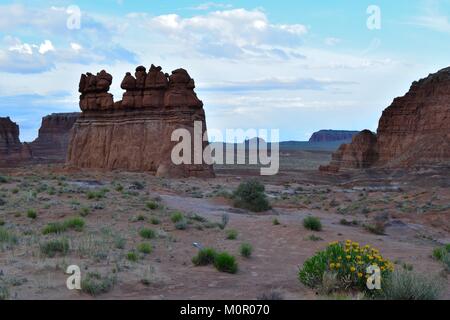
414,205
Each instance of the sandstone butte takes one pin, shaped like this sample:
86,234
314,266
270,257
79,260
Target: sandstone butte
413,131
134,134
50,146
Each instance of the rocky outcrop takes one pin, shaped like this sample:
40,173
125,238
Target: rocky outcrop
359,154
53,140
134,134
332,135
12,151
413,131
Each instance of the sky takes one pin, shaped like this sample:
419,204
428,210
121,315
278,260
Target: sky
297,66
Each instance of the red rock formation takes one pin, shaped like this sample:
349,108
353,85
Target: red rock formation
53,140
12,151
414,130
332,135
135,134
359,154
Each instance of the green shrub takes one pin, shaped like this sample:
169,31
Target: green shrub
84,211
407,285
119,242
347,223
250,195
275,222
138,185
53,247
312,223
147,233
313,237
76,224
54,227
348,261
181,225
32,214
204,257
224,262
377,228
152,205
119,188
15,190
176,217
2,222
145,248
7,237
446,262
154,220
246,250
440,252
96,194
95,284
132,256
232,234
4,179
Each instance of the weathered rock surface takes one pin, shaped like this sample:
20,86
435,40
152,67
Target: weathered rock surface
359,154
50,146
53,140
413,131
332,135
134,134
12,151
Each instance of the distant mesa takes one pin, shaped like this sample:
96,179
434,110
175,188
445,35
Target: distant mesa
332,135
134,134
50,146
413,131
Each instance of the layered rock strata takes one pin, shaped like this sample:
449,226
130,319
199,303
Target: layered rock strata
134,134
12,151
413,131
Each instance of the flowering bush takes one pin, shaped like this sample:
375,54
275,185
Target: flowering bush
348,262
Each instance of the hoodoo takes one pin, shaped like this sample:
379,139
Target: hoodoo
134,134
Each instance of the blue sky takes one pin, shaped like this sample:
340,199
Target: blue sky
297,66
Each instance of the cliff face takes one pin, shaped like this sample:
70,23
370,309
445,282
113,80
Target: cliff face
332,135
413,130
135,134
12,151
53,140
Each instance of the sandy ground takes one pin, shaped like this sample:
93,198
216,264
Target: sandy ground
414,206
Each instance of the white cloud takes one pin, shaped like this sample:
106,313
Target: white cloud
75,46
226,33
22,48
46,47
